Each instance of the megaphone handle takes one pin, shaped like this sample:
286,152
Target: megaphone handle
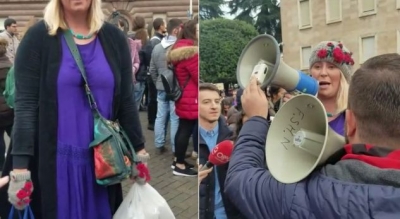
293,93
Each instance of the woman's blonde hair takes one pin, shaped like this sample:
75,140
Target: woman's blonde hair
54,16
342,94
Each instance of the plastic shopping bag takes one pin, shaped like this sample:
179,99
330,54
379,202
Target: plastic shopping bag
28,214
144,202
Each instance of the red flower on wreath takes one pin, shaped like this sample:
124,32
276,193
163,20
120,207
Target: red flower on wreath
322,53
338,55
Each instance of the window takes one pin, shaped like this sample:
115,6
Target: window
305,54
2,24
304,14
333,11
367,47
367,7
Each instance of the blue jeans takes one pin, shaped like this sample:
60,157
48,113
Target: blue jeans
138,88
165,109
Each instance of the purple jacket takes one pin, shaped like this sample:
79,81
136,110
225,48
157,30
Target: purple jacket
347,189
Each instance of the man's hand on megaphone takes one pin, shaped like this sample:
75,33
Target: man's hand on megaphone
287,97
254,101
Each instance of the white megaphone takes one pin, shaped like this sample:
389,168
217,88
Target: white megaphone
261,57
300,139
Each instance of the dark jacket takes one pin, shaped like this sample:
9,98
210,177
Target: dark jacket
6,113
207,186
346,189
35,128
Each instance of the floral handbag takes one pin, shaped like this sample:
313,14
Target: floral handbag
114,157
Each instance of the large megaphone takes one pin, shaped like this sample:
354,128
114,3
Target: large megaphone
261,57
300,139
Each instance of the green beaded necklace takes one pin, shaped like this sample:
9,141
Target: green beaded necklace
80,36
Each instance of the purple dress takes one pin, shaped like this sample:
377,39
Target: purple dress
338,124
78,194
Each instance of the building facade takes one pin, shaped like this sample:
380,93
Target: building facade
366,27
24,10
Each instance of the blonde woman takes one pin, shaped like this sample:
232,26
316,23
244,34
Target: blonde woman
53,120
331,64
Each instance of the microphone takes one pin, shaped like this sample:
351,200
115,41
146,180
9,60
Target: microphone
220,155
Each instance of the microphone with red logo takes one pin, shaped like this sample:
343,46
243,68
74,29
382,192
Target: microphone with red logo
220,155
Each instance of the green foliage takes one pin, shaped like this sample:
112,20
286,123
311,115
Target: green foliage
221,43
210,9
263,14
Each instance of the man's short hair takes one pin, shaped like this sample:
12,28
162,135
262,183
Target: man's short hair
8,22
374,98
157,23
209,87
172,24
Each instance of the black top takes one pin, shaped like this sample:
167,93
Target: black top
35,126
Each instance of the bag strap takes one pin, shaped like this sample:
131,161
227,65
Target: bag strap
77,57
172,68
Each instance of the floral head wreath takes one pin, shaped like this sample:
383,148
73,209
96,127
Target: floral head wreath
337,53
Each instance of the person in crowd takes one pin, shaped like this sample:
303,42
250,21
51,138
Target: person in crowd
234,93
234,111
331,65
54,124
10,34
274,95
165,107
134,46
226,104
6,113
184,55
361,179
140,37
159,26
212,130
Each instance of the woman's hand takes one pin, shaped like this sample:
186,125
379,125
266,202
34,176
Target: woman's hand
143,156
204,173
143,151
20,189
4,181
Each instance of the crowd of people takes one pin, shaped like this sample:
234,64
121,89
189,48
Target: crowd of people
51,122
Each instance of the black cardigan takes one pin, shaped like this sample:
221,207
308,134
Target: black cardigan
35,127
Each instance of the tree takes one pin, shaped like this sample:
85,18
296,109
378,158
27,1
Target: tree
263,14
221,43
210,9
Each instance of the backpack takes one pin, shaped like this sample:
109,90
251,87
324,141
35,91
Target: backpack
144,57
9,91
171,85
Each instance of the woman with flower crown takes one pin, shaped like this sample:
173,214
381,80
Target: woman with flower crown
331,65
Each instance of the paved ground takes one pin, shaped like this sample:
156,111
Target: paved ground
181,193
